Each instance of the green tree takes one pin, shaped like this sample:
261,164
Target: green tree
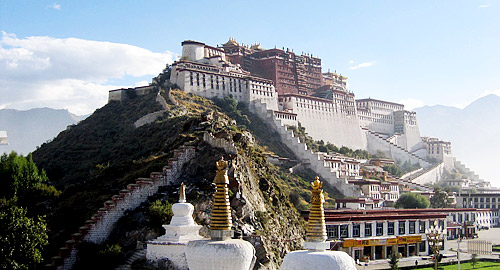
440,199
19,175
393,260
412,201
394,170
473,262
21,238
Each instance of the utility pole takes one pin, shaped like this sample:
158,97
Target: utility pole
458,251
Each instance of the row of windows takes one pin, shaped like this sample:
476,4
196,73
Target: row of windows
342,231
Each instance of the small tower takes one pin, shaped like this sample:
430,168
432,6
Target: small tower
220,252
317,256
221,221
178,233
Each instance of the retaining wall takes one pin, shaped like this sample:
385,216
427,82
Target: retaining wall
100,225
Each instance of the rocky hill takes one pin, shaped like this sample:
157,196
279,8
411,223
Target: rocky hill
98,157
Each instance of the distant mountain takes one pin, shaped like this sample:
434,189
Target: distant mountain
474,132
28,129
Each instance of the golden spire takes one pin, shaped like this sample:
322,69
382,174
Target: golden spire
221,213
182,193
316,228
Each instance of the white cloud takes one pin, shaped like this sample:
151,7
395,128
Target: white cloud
69,73
484,6
411,103
141,83
351,62
363,65
56,6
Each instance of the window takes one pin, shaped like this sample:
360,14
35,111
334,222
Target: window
355,230
344,231
422,226
422,247
368,229
332,232
402,228
412,227
380,228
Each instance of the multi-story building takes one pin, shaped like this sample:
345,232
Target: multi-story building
378,115
290,72
358,203
479,200
204,71
343,167
337,81
436,148
375,234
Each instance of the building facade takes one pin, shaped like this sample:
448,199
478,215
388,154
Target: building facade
375,234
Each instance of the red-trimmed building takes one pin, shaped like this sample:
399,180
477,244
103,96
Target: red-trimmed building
290,72
375,234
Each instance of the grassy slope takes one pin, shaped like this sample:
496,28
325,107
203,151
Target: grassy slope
96,158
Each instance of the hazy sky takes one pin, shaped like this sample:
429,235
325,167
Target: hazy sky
68,54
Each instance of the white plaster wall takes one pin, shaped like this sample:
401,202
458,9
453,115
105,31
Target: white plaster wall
193,52
376,143
328,125
432,176
173,252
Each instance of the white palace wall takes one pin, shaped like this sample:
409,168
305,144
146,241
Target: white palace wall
324,121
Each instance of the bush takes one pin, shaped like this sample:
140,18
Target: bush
412,201
160,213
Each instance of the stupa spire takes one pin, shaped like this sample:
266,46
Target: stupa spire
221,221
182,193
316,227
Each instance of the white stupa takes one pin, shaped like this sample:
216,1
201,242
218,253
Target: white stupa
220,252
317,256
178,233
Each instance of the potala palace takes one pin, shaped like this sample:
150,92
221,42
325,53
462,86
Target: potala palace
286,89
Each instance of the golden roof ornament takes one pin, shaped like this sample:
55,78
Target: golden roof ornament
182,193
221,221
316,228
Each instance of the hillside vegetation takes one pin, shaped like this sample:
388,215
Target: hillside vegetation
96,158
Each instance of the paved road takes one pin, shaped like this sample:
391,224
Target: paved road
492,235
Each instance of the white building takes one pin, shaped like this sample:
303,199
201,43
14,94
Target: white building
3,138
375,234
204,71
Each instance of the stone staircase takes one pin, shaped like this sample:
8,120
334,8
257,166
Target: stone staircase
139,254
99,226
397,150
314,160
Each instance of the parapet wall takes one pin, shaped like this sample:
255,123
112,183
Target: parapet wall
430,176
378,143
229,147
100,225
313,160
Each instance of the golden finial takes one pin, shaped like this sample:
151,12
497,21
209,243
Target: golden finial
221,221
182,193
316,228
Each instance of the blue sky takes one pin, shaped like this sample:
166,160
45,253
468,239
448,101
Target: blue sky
68,54
419,52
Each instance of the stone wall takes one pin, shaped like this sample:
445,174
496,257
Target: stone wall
430,175
377,143
313,160
229,147
100,225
